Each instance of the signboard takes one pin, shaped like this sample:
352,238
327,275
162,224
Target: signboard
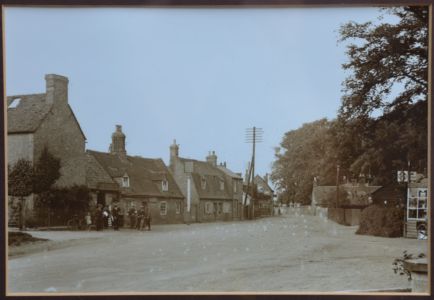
402,176
413,176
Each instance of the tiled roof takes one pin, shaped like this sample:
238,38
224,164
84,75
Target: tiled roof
28,115
213,177
145,174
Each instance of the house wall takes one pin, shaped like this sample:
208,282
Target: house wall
213,215
177,170
20,146
154,204
61,134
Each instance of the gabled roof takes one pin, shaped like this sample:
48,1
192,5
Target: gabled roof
31,111
213,177
29,114
261,181
145,174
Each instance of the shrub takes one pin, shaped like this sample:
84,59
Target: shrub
381,221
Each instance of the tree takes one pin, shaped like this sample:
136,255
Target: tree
382,122
20,184
305,153
47,171
388,63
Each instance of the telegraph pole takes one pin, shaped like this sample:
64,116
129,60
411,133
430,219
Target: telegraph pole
253,136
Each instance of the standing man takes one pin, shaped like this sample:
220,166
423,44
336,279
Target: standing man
132,213
147,216
115,213
141,217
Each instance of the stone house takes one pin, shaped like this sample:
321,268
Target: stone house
132,180
235,186
264,197
46,120
209,191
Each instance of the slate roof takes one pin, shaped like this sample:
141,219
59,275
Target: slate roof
145,174
213,176
31,111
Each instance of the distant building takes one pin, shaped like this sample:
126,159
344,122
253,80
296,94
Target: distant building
210,193
236,183
353,198
132,180
46,120
264,197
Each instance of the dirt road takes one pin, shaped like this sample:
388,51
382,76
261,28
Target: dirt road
288,253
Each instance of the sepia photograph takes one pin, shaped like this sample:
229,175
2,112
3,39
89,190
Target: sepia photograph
217,150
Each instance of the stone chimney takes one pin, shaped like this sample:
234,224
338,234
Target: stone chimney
174,152
118,142
56,89
212,158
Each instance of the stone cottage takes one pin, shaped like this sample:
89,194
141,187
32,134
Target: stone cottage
264,196
209,191
46,120
132,180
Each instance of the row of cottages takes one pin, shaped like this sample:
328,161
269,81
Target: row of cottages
212,192
189,190
45,120
133,180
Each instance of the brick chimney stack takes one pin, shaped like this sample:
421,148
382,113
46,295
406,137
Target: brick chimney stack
56,89
118,142
212,158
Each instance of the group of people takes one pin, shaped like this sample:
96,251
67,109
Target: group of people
104,216
141,218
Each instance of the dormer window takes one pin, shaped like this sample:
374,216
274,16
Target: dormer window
165,185
222,185
14,103
125,181
203,182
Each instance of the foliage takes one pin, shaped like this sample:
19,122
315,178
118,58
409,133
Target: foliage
382,122
47,171
381,221
388,61
20,179
305,153
398,263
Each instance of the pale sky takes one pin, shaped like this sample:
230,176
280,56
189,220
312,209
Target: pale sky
200,75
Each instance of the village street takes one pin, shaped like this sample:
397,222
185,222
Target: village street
286,253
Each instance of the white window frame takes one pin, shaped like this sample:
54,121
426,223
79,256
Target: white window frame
163,212
125,181
203,182
222,185
417,200
208,208
235,186
165,185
